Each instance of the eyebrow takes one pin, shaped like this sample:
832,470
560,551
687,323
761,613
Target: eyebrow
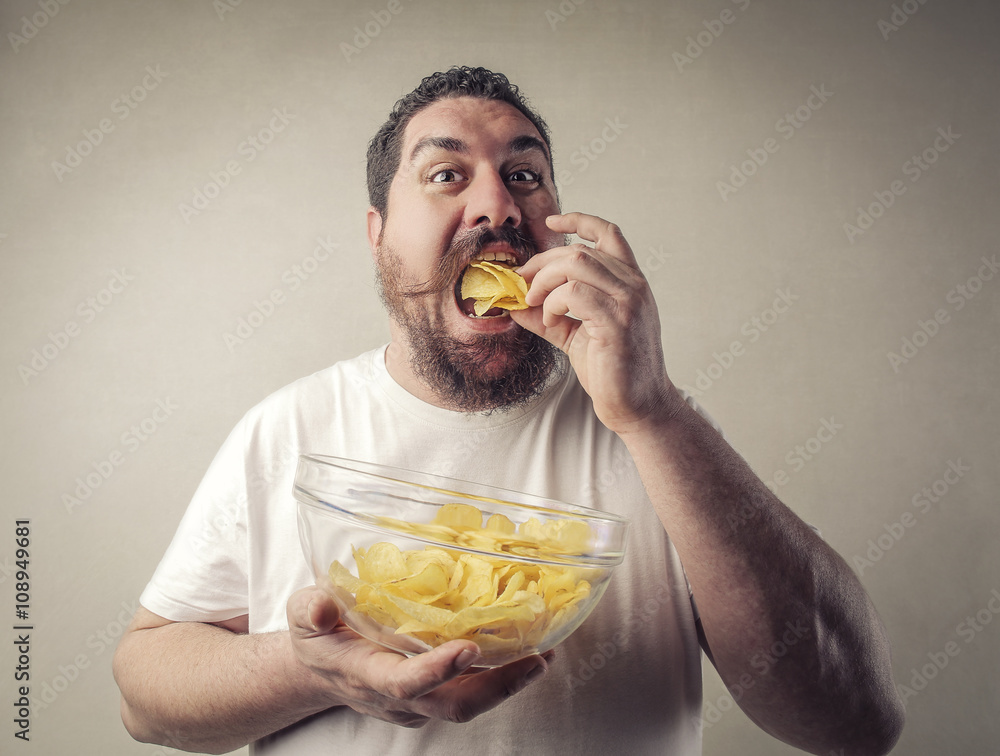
524,143
448,144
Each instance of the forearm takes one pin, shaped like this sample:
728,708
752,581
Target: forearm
788,624
197,687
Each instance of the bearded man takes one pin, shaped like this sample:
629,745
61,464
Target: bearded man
233,645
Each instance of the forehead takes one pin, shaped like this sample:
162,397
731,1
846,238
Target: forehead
488,125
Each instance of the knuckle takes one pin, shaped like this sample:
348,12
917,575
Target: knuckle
460,712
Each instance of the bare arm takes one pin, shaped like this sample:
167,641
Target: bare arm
790,629
786,622
214,688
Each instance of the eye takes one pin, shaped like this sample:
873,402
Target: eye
446,176
524,176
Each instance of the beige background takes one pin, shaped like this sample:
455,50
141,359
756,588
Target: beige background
714,262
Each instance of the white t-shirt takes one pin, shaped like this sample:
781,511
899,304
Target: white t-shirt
627,681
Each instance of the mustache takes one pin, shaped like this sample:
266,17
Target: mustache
464,248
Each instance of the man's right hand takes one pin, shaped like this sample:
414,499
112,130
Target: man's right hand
411,691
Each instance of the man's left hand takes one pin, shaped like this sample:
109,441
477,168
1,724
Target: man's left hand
593,303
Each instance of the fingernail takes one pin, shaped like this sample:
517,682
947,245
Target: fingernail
466,659
535,673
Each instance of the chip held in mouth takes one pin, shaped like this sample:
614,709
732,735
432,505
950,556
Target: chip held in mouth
494,285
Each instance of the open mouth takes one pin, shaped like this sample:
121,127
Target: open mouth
467,305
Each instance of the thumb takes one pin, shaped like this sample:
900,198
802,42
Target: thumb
311,611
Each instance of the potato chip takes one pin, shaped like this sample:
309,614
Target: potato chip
435,595
492,285
459,516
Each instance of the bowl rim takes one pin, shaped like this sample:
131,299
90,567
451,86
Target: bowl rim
396,475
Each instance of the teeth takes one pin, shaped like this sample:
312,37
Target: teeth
501,256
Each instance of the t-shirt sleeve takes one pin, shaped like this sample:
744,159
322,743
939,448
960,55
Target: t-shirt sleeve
203,574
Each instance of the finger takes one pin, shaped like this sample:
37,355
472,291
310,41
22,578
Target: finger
582,302
311,611
605,235
472,695
559,334
574,263
406,679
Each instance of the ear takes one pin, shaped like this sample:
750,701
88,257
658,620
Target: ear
374,228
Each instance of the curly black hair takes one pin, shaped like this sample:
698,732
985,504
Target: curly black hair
385,148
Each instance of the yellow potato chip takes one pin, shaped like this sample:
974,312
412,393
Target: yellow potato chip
435,595
459,516
494,284
501,524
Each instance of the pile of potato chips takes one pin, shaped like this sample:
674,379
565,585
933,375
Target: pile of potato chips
494,285
437,594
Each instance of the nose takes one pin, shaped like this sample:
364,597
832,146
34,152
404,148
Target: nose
490,203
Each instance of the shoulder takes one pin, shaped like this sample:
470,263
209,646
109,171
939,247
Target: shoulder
339,381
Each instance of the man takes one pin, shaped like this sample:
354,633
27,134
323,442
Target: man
569,398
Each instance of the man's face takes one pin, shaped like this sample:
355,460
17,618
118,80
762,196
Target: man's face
473,181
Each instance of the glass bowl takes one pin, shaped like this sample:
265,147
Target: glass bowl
415,560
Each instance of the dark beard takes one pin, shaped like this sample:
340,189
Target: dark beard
492,372
454,369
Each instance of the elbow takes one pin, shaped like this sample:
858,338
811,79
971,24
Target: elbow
135,726
882,729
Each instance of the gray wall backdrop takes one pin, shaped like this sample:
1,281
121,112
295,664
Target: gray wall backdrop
811,189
